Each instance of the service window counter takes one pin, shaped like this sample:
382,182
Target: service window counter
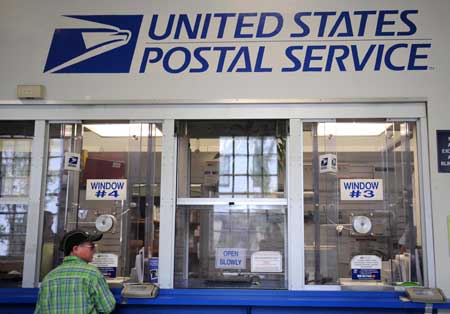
104,177
231,214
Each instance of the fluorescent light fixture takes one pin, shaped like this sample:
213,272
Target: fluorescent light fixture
351,129
123,130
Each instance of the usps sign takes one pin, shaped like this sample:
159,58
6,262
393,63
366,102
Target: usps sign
366,267
328,163
106,189
72,161
231,258
361,190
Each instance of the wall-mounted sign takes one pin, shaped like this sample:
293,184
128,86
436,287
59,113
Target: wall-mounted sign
443,145
106,189
231,258
106,263
366,267
72,161
361,189
370,40
267,262
328,163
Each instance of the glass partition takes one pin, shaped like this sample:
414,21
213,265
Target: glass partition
362,209
231,210
15,159
122,154
237,246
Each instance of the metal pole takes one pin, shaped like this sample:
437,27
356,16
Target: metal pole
316,199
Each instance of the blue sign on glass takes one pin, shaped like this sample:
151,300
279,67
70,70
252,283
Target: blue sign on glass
153,269
443,145
366,274
109,272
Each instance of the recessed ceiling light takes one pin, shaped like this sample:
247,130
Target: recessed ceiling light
124,130
351,129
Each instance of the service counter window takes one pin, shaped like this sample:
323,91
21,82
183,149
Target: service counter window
237,246
231,214
104,177
361,203
15,159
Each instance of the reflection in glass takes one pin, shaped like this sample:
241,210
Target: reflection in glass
255,163
226,146
240,184
255,184
15,161
55,164
240,146
240,165
15,157
254,145
13,224
223,158
225,184
270,183
226,165
270,165
269,146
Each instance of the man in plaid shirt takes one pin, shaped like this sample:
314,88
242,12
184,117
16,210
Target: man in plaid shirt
75,287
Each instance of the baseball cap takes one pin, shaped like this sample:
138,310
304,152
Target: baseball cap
76,237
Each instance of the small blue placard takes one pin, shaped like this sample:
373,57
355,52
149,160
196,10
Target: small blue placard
153,269
366,274
443,146
108,272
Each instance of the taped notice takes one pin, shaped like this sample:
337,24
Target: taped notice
267,262
106,263
366,267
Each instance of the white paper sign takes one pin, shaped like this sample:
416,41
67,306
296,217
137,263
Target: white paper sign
105,260
361,189
267,262
231,258
72,161
106,189
106,263
328,163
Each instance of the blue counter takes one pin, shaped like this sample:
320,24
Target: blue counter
199,301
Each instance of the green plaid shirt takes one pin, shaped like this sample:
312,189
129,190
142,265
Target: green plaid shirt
74,287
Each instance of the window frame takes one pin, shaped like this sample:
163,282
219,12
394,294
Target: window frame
296,110
295,237
234,199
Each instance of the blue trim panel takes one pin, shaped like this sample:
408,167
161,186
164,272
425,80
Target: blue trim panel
221,301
